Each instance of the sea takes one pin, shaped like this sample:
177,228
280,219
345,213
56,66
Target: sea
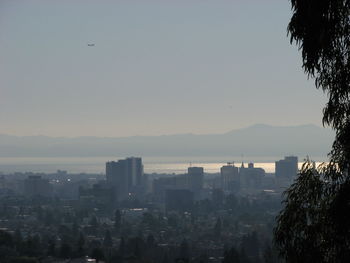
159,165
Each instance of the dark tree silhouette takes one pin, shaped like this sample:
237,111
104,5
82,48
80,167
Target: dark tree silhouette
122,247
184,253
218,227
250,244
150,241
269,255
65,251
51,248
117,220
107,241
313,226
97,254
135,247
24,260
231,256
6,239
80,243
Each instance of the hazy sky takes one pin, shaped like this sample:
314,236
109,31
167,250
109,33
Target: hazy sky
157,67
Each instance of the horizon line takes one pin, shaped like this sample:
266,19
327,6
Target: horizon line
170,134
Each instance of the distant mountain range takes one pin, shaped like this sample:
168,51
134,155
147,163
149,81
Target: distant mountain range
257,140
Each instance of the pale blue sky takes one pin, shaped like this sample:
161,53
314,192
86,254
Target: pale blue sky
157,67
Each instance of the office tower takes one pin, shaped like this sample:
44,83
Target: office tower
117,178
126,177
160,185
195,180
34,185
287,168
230,179
135,172
251,177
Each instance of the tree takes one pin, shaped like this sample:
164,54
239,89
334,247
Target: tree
250,244
117,220
94,225
65,251
149,220
6,239
107,241
135,246
51,247
32,246
24,260
150,241
18,240
313,226
231,256
218,227
80,245
184,253
97,254
165,258
122,247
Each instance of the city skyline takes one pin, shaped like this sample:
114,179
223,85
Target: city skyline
194,131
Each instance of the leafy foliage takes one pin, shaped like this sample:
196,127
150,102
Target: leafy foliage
313,226
321,29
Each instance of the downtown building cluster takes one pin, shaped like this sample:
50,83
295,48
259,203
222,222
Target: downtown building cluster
125,180
191,217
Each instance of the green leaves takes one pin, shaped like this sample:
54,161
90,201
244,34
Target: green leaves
299,225
313,226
